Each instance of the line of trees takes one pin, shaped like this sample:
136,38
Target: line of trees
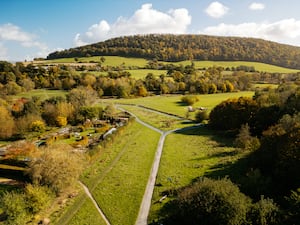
174,48
178,79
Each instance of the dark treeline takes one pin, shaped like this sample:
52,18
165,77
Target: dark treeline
175,48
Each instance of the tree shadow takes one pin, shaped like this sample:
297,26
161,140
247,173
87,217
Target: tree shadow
220,139
180,103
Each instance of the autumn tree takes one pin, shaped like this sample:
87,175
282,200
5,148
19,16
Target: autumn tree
7,123
57,167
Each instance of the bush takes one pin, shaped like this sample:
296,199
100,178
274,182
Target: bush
201,116
61,121
21,207
15,208
210,202
245,141
190,99
37,197
264,212
38,126
57,167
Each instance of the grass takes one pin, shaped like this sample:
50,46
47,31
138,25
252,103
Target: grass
172,103
141,63
109,61
141,74
42,93
118,175
120,192
188,155
262,67
87,215
155,119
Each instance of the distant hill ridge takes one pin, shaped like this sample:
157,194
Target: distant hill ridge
174,48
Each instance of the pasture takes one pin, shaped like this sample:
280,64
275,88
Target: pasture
135,63
187,156
41,93
172,103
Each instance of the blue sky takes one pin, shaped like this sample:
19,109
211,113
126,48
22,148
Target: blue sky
34,28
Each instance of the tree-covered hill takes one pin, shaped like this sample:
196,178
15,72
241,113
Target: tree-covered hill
190,47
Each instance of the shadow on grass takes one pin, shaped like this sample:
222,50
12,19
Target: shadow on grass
221,139
180,103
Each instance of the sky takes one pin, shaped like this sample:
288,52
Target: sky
34,28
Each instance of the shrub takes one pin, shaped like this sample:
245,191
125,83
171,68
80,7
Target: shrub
61,121
37,197
38,126
189,99
264,212
211,202
21,207
57,167
201,116
245,141
15,207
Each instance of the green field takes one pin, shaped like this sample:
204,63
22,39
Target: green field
141,63
141,74
172,103
119,173
120,193
87,215
188,155
109,61
41,93
158,120
262,67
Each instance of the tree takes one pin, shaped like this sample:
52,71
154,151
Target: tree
264,212
210,202
7,123
82,96
57,167
245,141
232,113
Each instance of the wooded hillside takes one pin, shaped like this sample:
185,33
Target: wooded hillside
190,47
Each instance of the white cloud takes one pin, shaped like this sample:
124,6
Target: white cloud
10,33
256,6
144,21
216,10
284,31
3,52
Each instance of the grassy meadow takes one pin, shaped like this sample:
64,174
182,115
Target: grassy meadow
41,93
172,103
141,63
187,156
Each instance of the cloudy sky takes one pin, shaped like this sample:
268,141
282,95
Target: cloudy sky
34,28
